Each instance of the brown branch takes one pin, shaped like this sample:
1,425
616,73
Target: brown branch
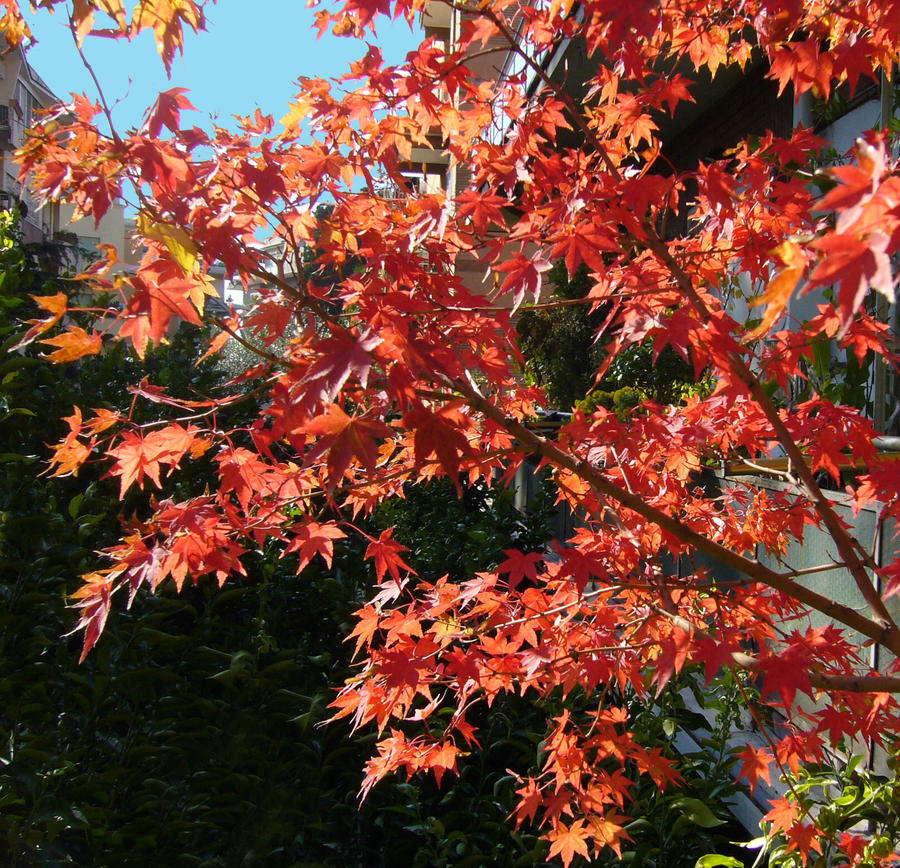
746,565
819,680
857,560
850,551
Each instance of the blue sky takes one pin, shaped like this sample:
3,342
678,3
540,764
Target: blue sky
250,56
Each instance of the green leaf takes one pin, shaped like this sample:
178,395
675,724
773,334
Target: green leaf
697,812
74,505
821,349
711,860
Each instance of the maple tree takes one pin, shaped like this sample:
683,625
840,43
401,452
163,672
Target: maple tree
398,372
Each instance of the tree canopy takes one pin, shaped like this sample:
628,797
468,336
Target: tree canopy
400,372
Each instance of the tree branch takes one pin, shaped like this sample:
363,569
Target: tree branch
746,565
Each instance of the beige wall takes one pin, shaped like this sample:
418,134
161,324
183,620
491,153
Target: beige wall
111,229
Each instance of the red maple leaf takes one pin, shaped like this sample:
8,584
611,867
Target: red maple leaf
311,539
785,675
343,355
803,838
673,652
855,264
523,278
482,208
166,111
756,764
408,367
386,553
519,566
583,243
344,438
440,434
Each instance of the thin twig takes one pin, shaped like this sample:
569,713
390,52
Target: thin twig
90,69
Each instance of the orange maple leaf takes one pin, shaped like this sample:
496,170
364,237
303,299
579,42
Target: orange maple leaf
780,286
73,344
71,453
608,831
138,456
782,816
56,305
566,841
68,457
94,599
366,627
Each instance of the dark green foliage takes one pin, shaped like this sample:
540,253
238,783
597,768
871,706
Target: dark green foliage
562,355
456,536
845,797
666,379
620,402
558,343
190,735
839,377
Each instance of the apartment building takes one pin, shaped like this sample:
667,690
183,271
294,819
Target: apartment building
23,95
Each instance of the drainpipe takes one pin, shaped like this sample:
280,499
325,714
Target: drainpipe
874,655
455,29
881,374
882,310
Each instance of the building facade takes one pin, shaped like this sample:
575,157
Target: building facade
23,96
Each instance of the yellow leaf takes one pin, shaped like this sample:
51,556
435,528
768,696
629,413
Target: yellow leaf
561,8
780,287
176,240
167,18
299,109
13,26
115,9
450,627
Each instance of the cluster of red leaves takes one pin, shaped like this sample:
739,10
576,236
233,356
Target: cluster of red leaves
398,372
